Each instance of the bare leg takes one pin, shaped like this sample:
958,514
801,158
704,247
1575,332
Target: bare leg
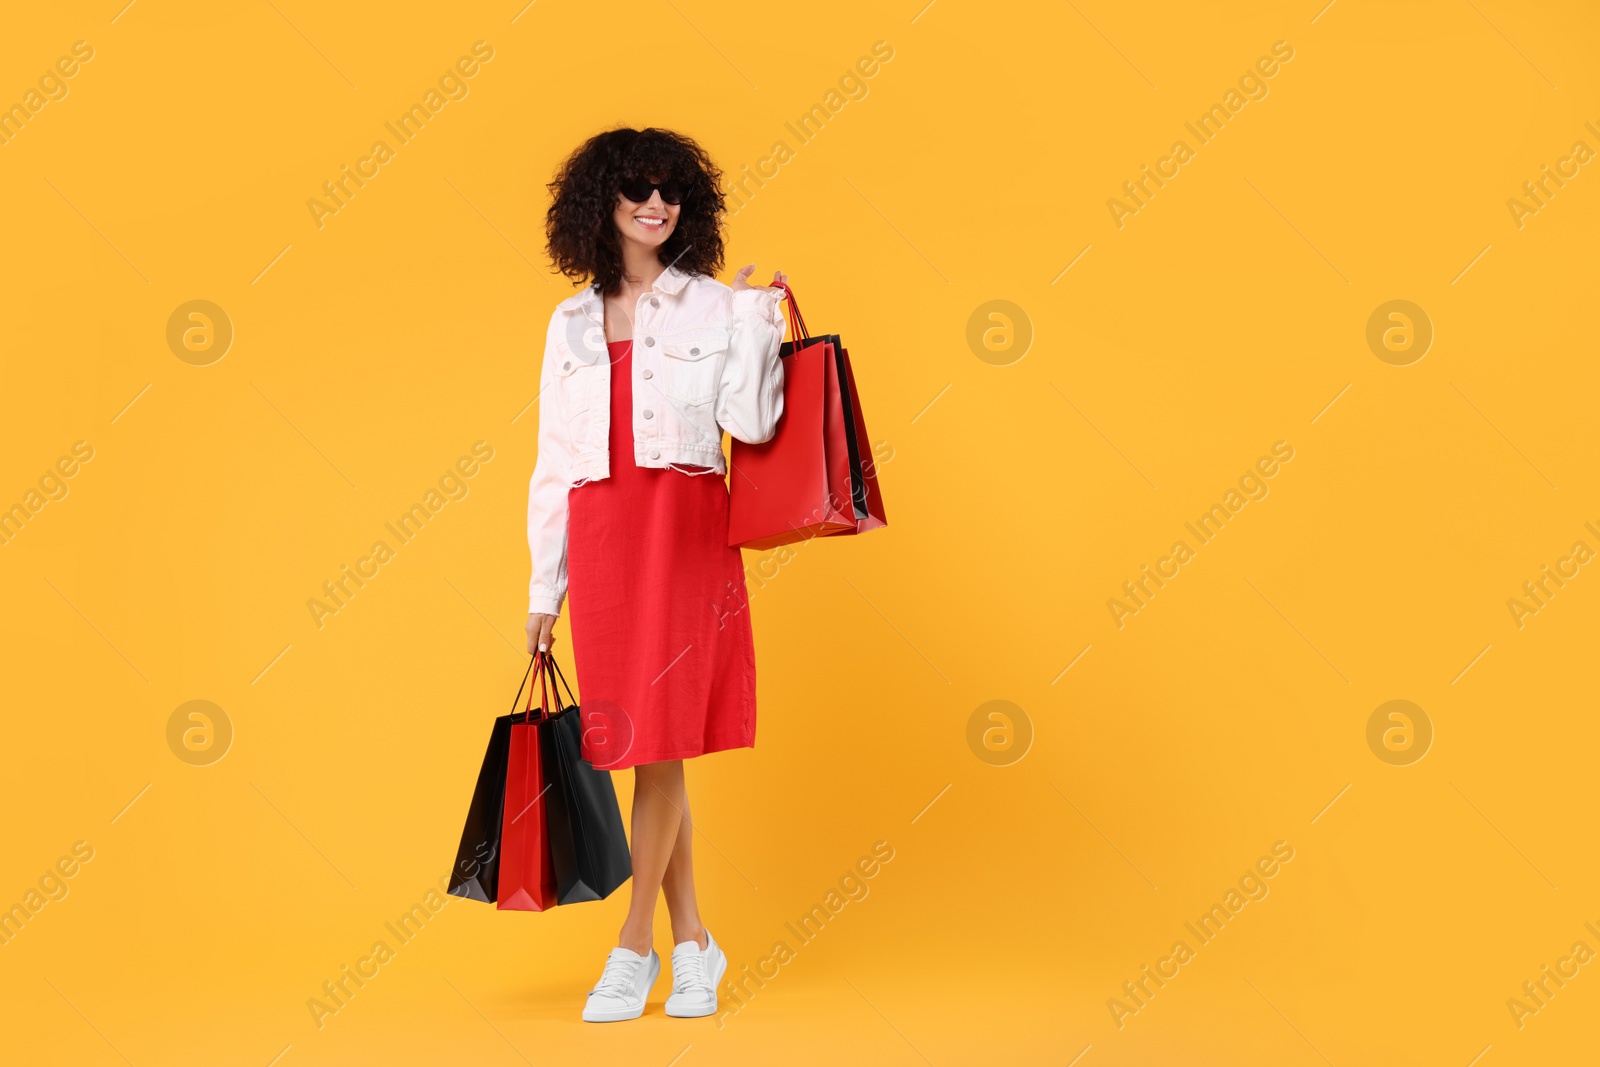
659,804
678,885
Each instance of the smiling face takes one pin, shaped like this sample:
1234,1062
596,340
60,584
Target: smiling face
648,224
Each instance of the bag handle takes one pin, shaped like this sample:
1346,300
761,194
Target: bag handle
539,667
544,691
797,322
525,676
536,670
550,657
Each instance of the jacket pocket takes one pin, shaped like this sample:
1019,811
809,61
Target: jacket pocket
574,382
692,363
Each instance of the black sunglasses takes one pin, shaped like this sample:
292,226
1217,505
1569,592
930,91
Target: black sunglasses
639,189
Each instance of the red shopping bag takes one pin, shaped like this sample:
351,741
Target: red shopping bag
815,477
527,878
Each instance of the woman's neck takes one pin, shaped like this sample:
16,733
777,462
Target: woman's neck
640,269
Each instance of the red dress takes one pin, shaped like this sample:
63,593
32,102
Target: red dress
656,599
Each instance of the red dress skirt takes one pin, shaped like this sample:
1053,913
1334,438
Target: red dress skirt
656,599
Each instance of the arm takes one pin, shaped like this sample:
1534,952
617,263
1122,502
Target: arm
547,493
750,399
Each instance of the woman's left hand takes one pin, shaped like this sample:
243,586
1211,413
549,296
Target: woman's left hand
742,279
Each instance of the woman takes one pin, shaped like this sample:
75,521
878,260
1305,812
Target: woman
628,510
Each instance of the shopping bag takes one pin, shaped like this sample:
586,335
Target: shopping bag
478,857
475,875
814,478
527,872
865,496
588,845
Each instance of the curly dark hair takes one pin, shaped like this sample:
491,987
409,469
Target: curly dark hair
581,238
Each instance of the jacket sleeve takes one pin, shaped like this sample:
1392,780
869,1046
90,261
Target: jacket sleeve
750,399
547,490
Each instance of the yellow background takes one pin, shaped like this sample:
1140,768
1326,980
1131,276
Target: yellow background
1229,714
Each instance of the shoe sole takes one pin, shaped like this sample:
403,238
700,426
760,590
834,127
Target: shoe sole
619,1015
615,1016
715,1000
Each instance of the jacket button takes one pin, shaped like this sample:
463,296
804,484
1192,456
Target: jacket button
649,342
649,414
567,365
655,453
649,373
694,351
654,302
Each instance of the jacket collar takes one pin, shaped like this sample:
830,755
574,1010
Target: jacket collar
671,283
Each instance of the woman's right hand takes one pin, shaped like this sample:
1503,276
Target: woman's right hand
541,633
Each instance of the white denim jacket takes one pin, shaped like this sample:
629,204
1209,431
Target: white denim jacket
705,359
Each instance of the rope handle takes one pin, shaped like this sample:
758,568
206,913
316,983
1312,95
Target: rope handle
797,322
525,676
555,692
540,666
544,690
536,671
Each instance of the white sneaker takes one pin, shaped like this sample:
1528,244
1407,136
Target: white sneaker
623,986
695,975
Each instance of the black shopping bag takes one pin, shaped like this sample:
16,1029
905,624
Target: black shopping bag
477,869
587,841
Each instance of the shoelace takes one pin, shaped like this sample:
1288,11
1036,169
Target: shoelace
617,979
689,973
